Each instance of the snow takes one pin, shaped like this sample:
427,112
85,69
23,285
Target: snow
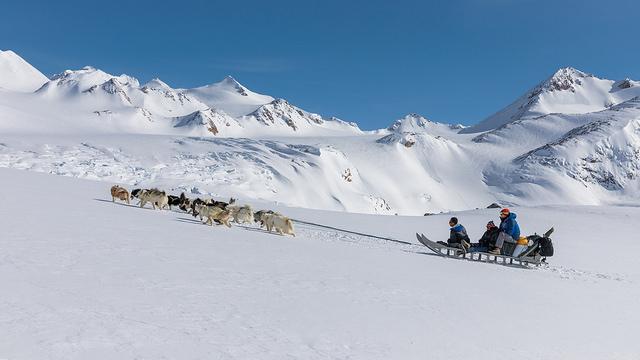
81,97
230,96
157,84
602,151
86,278
280,117
568,91
83,277
18,75
307,172
211,120
225,139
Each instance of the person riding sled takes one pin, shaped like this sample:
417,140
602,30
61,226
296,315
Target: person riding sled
488,239
509,231
458,237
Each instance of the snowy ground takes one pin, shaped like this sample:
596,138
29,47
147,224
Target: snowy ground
83,278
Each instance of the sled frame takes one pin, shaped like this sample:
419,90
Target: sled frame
459,254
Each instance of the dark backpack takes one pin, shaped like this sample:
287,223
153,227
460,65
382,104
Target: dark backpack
546,246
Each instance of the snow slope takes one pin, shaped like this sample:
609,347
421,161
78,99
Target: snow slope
336,174
603,156
17,74
85,278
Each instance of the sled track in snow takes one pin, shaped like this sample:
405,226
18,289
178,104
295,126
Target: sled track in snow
352,232
563,272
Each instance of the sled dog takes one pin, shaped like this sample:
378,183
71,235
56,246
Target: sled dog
281,224
157,198
213,213
241,214
257,216
120,193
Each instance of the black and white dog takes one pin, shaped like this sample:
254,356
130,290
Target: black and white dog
184,203
181,201
135,194
173,200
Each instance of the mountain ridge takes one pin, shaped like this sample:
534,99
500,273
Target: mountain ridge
225,137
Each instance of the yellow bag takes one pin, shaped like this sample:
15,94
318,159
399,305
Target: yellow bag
523,241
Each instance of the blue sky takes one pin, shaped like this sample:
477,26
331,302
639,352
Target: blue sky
365,61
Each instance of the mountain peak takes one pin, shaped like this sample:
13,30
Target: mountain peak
156,83
625,84
280,102
566,78
415,116
569,71
85,71
207,121
87,79
9,54
18,75
567,91
230,82
409,123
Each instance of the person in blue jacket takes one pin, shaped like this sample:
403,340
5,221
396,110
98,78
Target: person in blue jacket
509,230
457,235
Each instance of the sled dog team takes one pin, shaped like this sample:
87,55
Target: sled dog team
493,239
213,211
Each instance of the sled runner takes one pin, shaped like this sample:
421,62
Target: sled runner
540,247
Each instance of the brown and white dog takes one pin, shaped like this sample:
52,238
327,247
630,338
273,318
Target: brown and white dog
213,213
120,193
281,224
209,202
157,198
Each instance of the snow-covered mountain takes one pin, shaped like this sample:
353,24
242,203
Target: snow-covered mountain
568,91
94,99
208,121
279,114
229,95
18,75
573,139
163,100
408,130
603,155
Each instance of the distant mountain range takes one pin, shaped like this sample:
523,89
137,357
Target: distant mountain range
226,108
572,139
